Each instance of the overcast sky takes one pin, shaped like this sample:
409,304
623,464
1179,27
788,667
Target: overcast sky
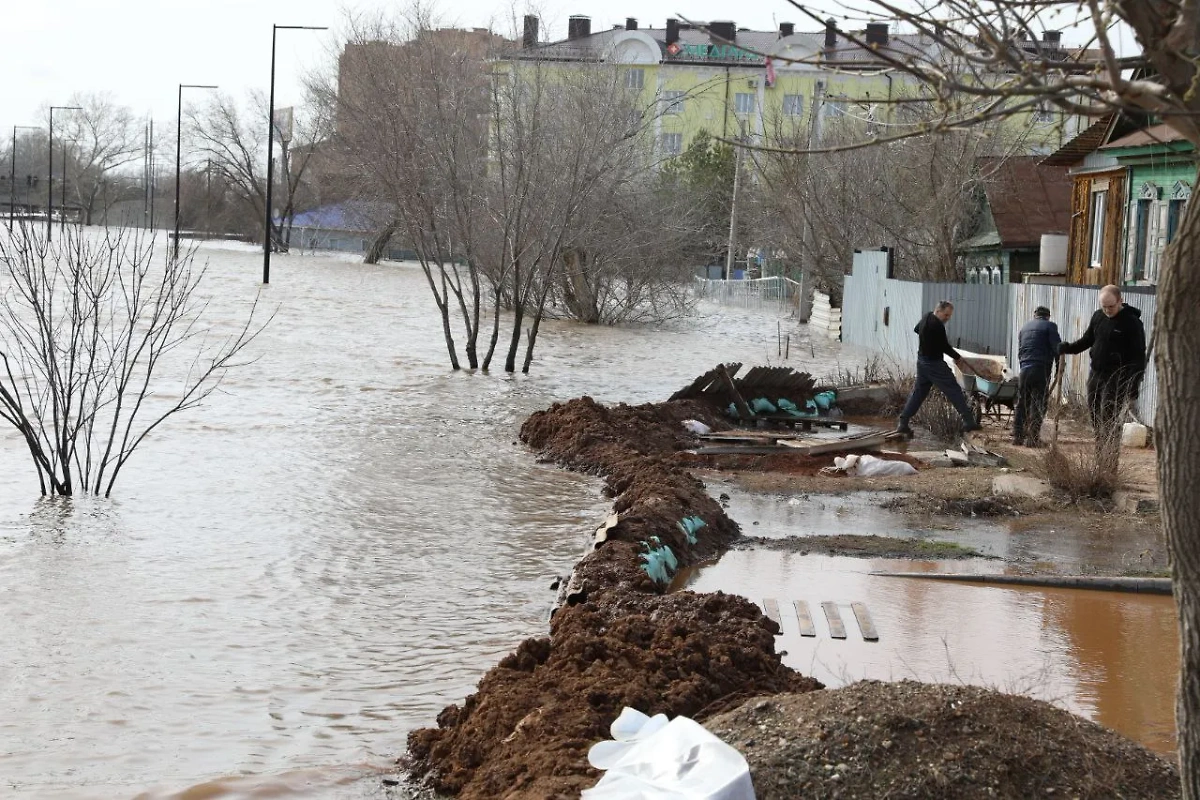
140,50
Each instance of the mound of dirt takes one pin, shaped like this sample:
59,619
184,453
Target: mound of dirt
588,437
922,741
526,731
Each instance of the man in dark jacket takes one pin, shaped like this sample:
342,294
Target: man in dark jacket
1038,343
932,370
1117,340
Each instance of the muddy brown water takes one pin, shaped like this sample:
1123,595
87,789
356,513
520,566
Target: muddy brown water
1111,657
340,543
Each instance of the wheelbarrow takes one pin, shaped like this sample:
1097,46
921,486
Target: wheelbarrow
995,399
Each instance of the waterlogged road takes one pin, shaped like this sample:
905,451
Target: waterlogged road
338,544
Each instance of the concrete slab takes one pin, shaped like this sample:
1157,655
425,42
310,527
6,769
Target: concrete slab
933,458
1021,485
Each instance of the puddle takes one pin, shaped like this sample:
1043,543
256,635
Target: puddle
1069,548
1111,657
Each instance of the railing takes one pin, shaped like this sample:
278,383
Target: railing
754,292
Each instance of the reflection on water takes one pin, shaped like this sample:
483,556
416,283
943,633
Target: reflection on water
1109,656
339,544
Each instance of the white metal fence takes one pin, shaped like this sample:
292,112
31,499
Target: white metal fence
753,293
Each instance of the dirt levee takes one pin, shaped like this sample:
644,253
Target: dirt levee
616,640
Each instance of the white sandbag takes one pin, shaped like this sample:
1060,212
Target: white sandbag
871,467
696,426
652,759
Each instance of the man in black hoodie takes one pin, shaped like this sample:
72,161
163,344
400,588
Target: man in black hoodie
1117,341
932,370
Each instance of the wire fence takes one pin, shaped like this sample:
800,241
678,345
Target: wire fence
778,292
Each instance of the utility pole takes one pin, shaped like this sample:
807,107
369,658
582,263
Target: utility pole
733,210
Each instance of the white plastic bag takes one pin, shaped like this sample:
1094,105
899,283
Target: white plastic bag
696,426
652,759
872,467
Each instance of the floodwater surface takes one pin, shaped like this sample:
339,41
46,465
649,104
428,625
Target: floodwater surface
1109,656
335,546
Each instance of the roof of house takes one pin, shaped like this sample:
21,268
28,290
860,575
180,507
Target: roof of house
1155,134
750,43
352,215
1115,124
1028,199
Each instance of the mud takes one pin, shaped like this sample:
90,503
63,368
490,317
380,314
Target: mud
618,640
916,740
790,464
862,547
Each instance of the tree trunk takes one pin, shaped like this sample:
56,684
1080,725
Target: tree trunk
380,243
1177,430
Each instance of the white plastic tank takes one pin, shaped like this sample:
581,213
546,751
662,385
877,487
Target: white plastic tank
1052,257
1134,434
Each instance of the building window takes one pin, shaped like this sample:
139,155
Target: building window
635,78
1175,210
1097,215
793,105
672,144
743,103
1044,112
672,102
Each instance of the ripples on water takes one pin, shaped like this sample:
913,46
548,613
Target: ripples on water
335,546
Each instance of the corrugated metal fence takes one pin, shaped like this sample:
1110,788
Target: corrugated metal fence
1072,308
879,313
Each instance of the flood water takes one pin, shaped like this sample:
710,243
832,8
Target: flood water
1109,656
339,543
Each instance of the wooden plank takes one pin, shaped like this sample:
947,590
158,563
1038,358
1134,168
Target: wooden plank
772,607
737,450
865,624
807,628
811,447
837,629
740,404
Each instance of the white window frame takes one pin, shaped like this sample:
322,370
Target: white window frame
671,143
1097,214
635,78
793,105
672,101
744,102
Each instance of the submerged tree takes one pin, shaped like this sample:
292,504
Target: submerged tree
92,328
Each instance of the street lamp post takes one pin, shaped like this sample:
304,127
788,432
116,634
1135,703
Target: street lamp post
178,148
12,177
50,170
271,146
62,196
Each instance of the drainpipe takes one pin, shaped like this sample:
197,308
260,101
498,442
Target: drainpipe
725,117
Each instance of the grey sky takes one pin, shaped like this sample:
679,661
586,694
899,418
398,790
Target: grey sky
139,50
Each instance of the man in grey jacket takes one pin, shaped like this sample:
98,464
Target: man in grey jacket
1038,344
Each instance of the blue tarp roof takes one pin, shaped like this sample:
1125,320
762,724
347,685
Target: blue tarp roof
349,216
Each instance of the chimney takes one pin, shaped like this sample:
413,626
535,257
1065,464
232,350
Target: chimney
631,24
578,27
672,31
725,30
830,33
877,34
786,29
1052,38
529,35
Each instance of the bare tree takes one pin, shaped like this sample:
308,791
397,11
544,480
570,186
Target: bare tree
91,328
920,195
105,136
981,49
232,144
